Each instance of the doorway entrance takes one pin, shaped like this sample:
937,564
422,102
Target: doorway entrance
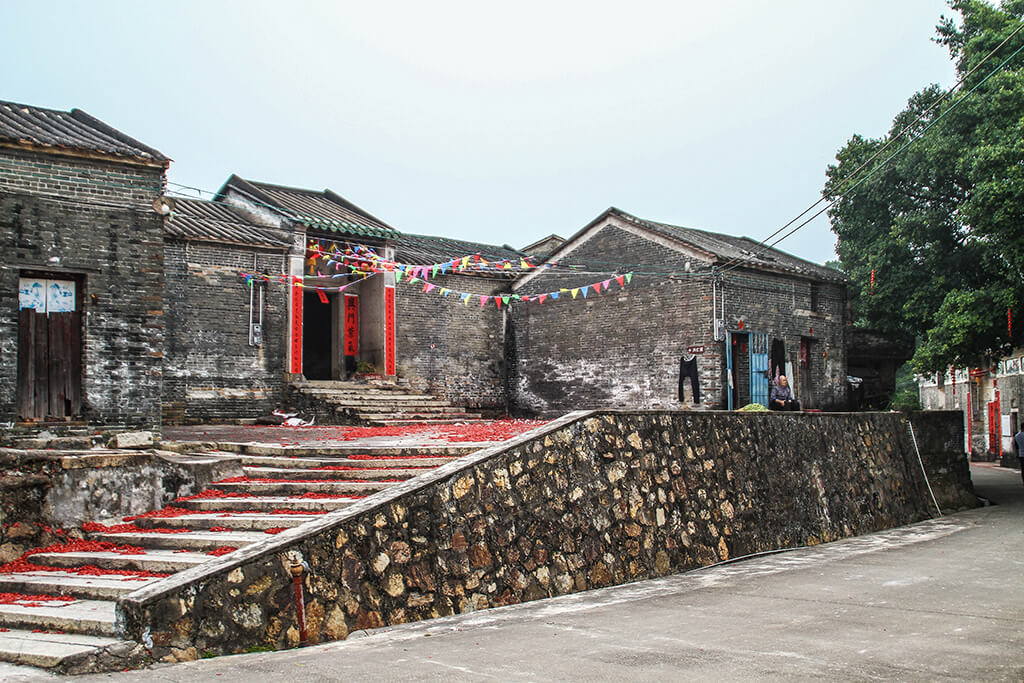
747,368
49,348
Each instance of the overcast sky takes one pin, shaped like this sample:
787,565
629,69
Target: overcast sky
499,123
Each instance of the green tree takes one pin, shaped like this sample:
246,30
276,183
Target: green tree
941,225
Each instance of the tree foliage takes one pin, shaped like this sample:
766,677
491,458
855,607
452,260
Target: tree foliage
941,224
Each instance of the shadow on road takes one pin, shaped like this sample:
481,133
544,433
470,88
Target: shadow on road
998,485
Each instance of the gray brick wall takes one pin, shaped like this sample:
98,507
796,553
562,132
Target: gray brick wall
451,349
622,348
110,240
211,373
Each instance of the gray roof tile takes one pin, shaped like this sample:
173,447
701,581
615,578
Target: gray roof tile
74,130
195,219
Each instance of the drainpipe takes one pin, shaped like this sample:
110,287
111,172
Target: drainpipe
300,611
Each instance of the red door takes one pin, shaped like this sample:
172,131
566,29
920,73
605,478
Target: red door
49,349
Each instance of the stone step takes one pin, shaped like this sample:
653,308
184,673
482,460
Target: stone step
91,617
369,397
383,463
164,561
269,503
390,407
414,417
343,451
240,521
398,421
48,650
354,473
105,587
199,541
296,488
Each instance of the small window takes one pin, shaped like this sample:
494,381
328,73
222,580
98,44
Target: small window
815,296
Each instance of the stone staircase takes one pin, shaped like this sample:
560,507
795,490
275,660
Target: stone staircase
377,404
58,604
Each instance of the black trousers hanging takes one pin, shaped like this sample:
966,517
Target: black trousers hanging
688,368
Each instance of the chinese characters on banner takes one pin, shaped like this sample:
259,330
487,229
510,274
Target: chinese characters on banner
389,331
295,366
351,325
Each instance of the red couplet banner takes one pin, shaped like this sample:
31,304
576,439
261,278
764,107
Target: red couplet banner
296,350
351,325
389,331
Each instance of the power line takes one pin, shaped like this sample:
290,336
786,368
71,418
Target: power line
892,140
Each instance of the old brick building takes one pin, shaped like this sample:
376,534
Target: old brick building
742,312
82,269
212,310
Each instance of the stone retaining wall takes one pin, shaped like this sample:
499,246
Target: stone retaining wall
45,495
590,500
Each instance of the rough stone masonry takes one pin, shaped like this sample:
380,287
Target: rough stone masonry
591,500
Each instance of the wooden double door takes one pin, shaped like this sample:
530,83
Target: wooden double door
49,349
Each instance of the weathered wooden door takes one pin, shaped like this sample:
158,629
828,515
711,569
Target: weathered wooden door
759,368
49,349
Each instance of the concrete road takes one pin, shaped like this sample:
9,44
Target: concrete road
943,599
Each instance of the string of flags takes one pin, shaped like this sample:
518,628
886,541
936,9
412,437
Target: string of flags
361,258
364,262
507,299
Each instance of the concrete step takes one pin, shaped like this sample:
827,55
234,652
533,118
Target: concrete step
164,561
354,473
239,521
198,541
297,488
106,587
91,617
48,650
269,503
415,417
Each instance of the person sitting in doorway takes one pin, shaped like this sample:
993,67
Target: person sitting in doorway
781,397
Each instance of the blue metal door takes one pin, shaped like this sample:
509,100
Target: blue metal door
759,368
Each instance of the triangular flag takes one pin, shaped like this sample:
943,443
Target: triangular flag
398,276
507,266
621,280
554,295
444,292
427,286
483,301
505,299
465,299
497,301
585,290
542,297
575,292
597,287
606,284
629,276
563,290
465,261
444,268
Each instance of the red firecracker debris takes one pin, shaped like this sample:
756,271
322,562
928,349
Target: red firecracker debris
223,550
128,529
275,530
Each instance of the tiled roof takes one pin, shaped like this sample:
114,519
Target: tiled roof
324,210
744,251
195,219
74,130
426,249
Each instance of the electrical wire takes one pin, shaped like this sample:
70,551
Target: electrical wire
917,120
